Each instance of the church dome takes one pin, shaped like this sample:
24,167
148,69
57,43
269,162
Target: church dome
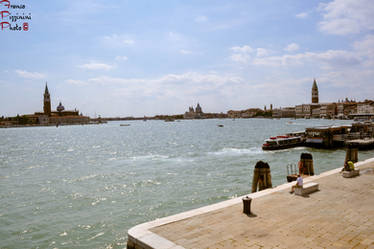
60,107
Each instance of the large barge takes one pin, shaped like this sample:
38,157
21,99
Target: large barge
326,137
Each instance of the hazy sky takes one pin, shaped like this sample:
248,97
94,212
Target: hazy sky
135,58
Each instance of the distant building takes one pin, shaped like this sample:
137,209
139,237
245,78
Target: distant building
198,109
312,110
286,112
365,108
277,113
316,112
345,108
194,113
249,113
328,110
303,111
299,111
60,116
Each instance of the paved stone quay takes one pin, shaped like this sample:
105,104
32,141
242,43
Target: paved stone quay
339,215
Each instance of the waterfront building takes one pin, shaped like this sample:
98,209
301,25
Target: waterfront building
192,113
49,117
303,111
299,111
248,113
285,112
328,110
344,109
198,109
309,110
365,108
60,116
316,112
350,109
340,110
277,113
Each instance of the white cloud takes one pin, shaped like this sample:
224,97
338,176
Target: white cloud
185,85
241,58
121,58
241,54
95,66
175,79
365,48
183,51
261,52
342,17
362,54
115,40
167,92
302,15
245,53
243,49
174,36
327,58
76,82
292,47
201,19
30,75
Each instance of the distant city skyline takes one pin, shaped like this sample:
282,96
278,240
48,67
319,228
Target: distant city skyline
136,58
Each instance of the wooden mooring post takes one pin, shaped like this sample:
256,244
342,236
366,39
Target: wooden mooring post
261,177
351,154
307,167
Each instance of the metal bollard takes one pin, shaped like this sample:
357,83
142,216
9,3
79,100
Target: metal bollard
247,205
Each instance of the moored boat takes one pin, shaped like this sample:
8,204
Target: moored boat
282,142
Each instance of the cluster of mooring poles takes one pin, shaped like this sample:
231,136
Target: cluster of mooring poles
261,180
261,177
351,154
305,167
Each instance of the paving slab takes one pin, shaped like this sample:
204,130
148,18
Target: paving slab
339,215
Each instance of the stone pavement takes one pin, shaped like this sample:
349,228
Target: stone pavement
340,215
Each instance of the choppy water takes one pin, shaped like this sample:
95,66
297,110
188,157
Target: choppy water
85,186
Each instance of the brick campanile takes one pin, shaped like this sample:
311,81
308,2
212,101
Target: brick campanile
47,101
314,92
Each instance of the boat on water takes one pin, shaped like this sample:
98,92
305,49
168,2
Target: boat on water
124,125
282,142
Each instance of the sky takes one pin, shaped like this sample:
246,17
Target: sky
135,58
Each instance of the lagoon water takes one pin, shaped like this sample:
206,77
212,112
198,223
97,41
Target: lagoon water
85,186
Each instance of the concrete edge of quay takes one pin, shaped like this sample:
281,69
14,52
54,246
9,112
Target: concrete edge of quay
140,236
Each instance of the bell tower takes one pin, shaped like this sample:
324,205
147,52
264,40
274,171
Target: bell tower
47,101
314,92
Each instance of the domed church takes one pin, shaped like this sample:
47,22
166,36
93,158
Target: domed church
60,116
